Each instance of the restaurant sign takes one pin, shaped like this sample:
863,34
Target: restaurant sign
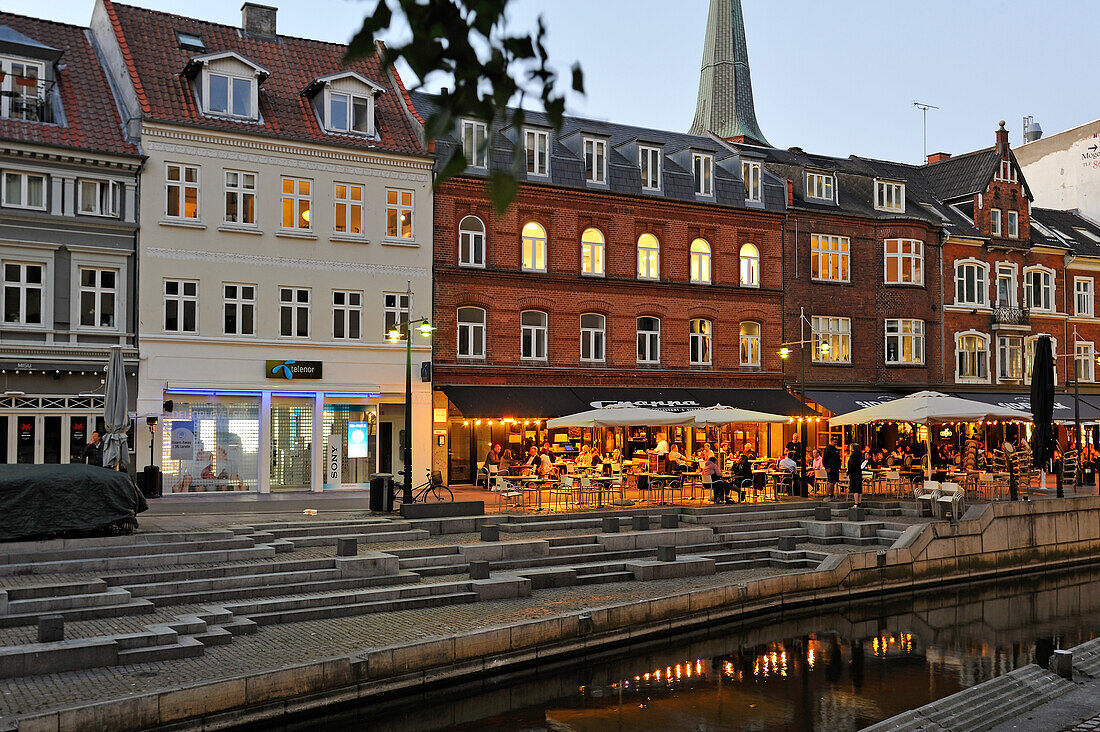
291,369
667,405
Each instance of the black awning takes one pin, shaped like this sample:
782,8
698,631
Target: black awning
671,400
501,401
841,402
1063,403
773,401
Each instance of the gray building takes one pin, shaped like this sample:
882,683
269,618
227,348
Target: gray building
68,232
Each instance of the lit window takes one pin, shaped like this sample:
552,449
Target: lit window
972,357
395,313
349,209
1010,358
24,190
820,186
830,258
889,196
970,283
649,257
181,191
533,335
649,340
22,90
347,315
750,266
537,146
593,337
98,197
699,342
297,202
904,341
1039,289
471,242
240,198
23,293
533,247
592,252
181,306
471,333
294,312
702,168
595,160
649,161
239,309
1083,296
750,172
1086,360
995,221
750,344
475,143
904,262
700,262
832,339
1013,224
399,214
229,95
98,297
350,113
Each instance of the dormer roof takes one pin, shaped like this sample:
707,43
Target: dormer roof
16,43
319,83
197,62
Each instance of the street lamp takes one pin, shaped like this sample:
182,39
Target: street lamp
394,336
785,353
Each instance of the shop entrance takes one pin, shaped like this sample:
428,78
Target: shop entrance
353,427
291,444
45,439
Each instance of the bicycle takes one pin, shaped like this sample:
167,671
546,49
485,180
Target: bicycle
432,489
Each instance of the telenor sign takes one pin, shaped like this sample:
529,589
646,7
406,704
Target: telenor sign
290,370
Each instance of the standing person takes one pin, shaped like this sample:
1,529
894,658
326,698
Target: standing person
831,462
93,451
855,473
1010,465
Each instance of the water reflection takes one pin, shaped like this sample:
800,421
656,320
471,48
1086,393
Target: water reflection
840,670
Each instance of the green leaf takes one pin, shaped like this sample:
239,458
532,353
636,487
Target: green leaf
503,187
456,163
578,79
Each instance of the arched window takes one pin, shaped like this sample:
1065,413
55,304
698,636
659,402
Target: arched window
700,261
471,333
649,340
699,342
750,266
533,335
971,356
534,247
750,344
649,257
593,337
471,242
971,277
592,248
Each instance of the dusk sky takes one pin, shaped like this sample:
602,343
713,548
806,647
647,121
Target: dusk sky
834,77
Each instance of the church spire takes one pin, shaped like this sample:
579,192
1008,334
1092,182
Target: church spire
725,105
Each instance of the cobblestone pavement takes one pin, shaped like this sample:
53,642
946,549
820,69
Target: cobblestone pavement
1089,725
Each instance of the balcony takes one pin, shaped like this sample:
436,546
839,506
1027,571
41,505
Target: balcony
1011,317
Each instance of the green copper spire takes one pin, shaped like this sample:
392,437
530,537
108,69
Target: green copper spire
725,105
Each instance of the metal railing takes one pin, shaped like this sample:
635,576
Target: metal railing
1011,316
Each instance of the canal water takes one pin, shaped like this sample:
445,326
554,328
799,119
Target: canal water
837,670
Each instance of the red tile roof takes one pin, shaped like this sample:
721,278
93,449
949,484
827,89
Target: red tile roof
155,62
91,118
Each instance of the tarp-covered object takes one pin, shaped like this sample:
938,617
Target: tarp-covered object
36,500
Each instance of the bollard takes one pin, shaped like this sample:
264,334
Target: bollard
856,513
479,570
823,513
51,628
670,520
666,553
611,525
490,532
881,559
347,547
639,523
787,543
584,624
1061,663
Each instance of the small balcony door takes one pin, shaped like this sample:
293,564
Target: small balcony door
1006,289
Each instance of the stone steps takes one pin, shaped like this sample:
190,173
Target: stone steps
79,566
54,603
424,551
373,538
575,549
462,567
1086,658
128,550
328,611
432,560
32,592
133,607
597,578
252,608
244,593
186,647
225,571
564,560
141,539
554,541
342,529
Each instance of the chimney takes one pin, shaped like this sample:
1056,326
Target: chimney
258,20
1002,138
938,156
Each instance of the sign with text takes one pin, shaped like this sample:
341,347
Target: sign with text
358,439
291,369
334,465
182,440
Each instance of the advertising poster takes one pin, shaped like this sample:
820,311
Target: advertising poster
358,439
334,463
183,440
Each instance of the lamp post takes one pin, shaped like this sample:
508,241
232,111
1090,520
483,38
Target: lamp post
394,336
785,353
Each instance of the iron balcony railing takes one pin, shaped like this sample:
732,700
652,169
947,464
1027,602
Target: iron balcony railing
1011,316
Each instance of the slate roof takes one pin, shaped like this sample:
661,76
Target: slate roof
962,175
567,158
89,120
155,62
1070,231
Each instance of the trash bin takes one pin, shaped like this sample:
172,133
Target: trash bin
151,482
381,492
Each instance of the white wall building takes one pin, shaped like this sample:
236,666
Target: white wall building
1064,170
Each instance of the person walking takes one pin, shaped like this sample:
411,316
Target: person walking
855,473
831,462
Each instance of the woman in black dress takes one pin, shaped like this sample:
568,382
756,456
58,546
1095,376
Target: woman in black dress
855,473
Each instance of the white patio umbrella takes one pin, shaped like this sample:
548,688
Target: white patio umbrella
930,407
623,414
719,414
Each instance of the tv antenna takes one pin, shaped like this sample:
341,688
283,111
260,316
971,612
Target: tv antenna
924,113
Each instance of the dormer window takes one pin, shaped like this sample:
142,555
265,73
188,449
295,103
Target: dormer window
190,41
820,186
702,167
750,172
649,160
229,95
348,113
475,143
536,145
347,104
595,160
889,196
228,84
22,90
1007,172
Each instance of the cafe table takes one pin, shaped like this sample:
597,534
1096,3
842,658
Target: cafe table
533,483
659,482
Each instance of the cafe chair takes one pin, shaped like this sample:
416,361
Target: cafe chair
591,495
926,495
561,493
892,482
821,478
950,502
507,494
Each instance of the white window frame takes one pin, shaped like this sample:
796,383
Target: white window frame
253,112
343,313
471,243
981,357
700,269
700,342
330,124
749,344
995,222
902,332
1005,271
296,308
475,143
177,189
106,197
23,288
241,306
1007,172
396,209
591,336
649,166
241,192
1084,354
535,335
830,258
98,291
533,249
749,265
8,86
889,196
908,254
296,198
593,254
595,172
24,188
182,299
1013,224
981,283
820,186
702,171
473,337
351,216
536,146
1083,291
837,332
395,309
1048,304
1010,353
649,258
652,344
752,175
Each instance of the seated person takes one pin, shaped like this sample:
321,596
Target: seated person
506,463
718,484
788,463
749,451
676,459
